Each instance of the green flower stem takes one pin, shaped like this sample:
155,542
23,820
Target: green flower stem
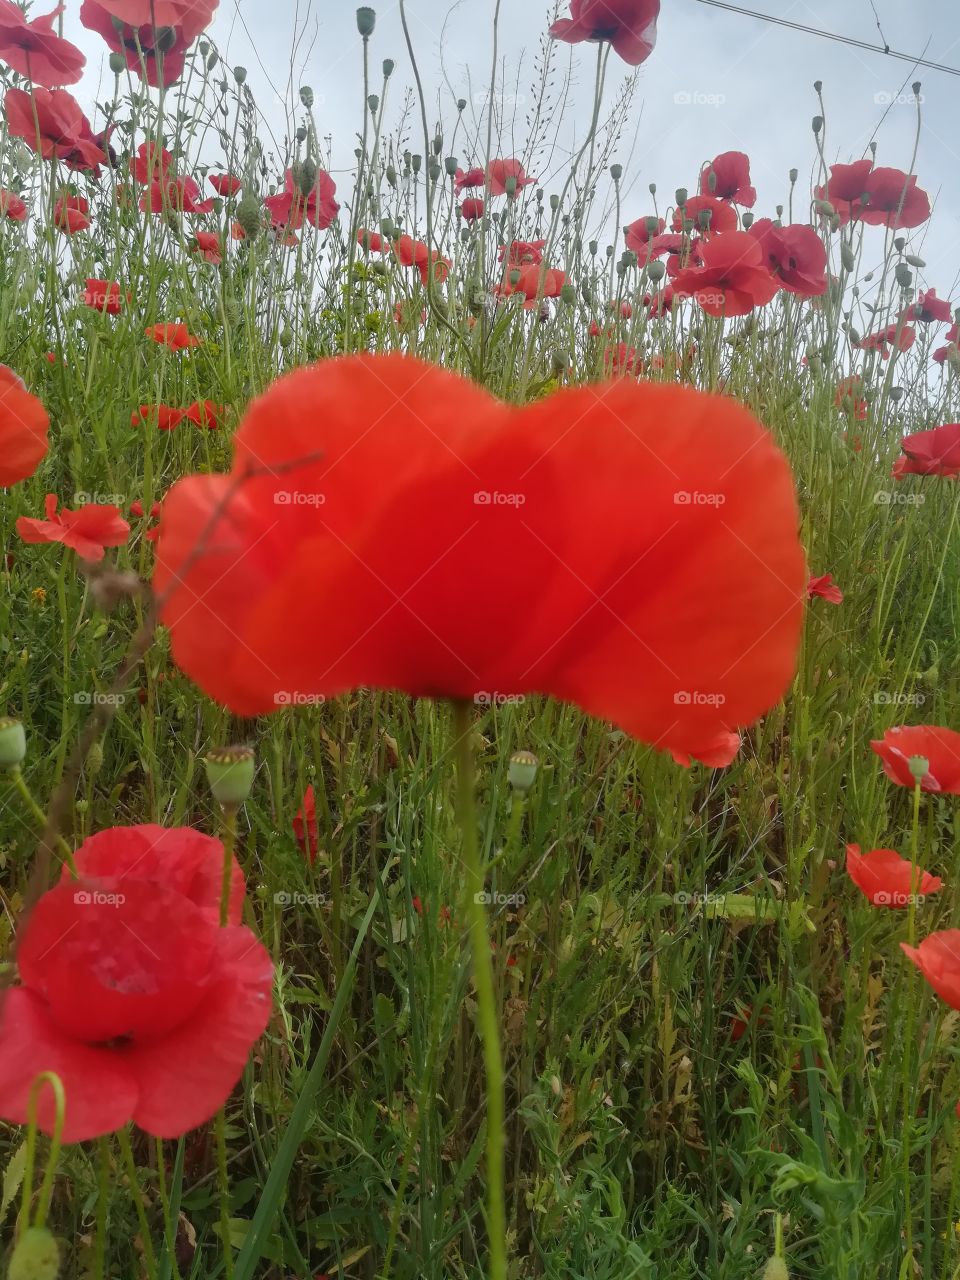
20,782
486,1001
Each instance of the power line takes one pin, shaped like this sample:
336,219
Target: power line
886,42
830,35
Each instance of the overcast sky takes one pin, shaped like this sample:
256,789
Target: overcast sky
717,81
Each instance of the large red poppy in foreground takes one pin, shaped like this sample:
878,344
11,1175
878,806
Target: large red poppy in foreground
24,427
630,548
131,992
629,25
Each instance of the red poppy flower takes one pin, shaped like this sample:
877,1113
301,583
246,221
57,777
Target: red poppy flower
719,753
291,206
472,210
939,747
225,184
500,172
181,195
522,253
467,178
103,295
938,959
825,588
207,244
733,279
849,397
929,309
845,188
190,16
661,304
34,49
899,337
24,426
619,360
676,614
723,217
305,827
629,25
70,215
795,255
151,163
886,879
59,125
527,280
88,530
639,234
892,198
205,413
161,416
131,992
12,207
175,336
156,52
728,178
136,509
931,453
414,253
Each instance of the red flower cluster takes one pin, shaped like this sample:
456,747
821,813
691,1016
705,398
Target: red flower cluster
878,197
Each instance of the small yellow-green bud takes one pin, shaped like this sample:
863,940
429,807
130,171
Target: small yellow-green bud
919,767
522,772
230,773
35,1256
13,742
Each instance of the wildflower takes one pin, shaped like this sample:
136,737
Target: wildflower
899,337
629,25
24,427
886,879
88,530
723,217
154,52
51,120
34,50
728,178
472,210
825,588
207,244
931,453
733,279
305,828
162,416
938,748
175,336
795,255
103,295
12,207
70,215
225,184
938,959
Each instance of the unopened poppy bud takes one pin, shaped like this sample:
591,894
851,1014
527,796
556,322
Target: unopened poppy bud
172,37
373,102
305,176
824,207
656,270
896,394
559,362
554,203
248,215
391,174
652,188
747,220
704,218
899,243
712,181
94,758
366,21
306,96
285,339
301,134
451,165
568,294
904,275
461,104
35,1256
437,144
915,261
118,63
593,246
794,175
13,742
510,186
240,74
416,163
629,259
817,123
230,773
204,47
681,197
434,171
919,767
916,87
616,172
522,772
776,1269
847,257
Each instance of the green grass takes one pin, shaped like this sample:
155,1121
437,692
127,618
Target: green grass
642,1138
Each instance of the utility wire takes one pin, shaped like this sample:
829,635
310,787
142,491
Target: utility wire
830,35
886,42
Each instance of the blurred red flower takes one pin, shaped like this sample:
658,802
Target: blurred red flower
723,217
207,244
845,188
795,255
521,253
24,427
825,588
928,308
131,991
469,178
70,215
151,163
414,253
225,184
189,16
849,397
500,172
886,879
34,49
629,607
103,295
88,530
289,208
728,178
205,413
305,827
159,51
629,25
891,198
162,416
181,195
895,336
12,207
733,279
472,209
59,126
527,280
939,747
938,959
931,453
175,336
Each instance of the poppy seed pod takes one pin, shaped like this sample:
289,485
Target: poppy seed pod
391,175
35,1256
461,104
388,66
554,203
919,767
13,742
747,220
248,215
366,21
616,172
230,773
118,63
240,74
568,294
301,134
522,772
903,275
511,186
373,102
847,257
434,171
305,176
306,96
915,261
450,164
817,123
656,270
416,163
